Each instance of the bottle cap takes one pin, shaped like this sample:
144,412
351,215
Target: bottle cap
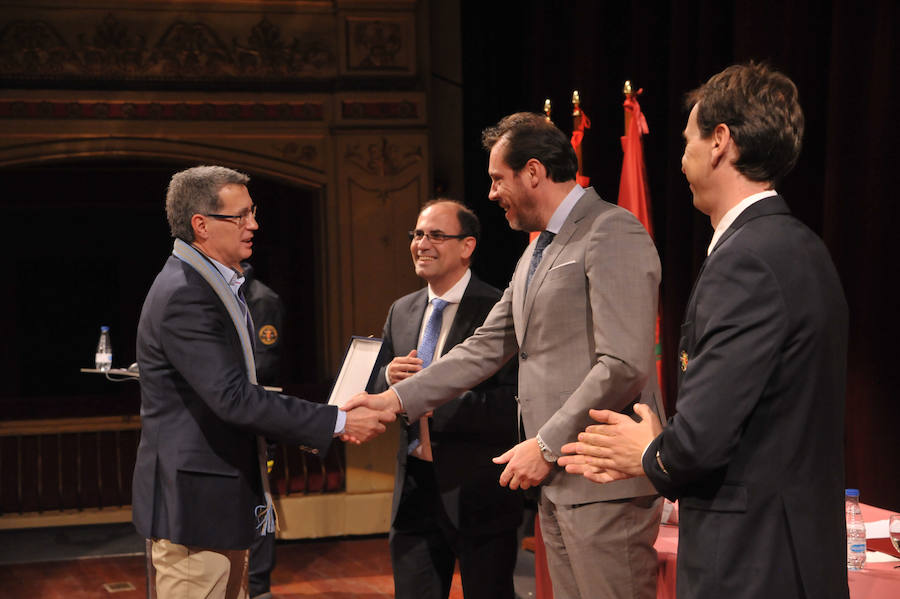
852,492
104,329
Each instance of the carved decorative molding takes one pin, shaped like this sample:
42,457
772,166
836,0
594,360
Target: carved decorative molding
380,45
383,159
353,109
164,111
296,152
377,42
184,51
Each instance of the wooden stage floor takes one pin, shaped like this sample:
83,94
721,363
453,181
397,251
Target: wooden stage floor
330,569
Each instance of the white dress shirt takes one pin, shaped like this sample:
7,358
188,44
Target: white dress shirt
453,296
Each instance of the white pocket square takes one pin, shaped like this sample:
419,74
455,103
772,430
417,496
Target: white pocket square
561,265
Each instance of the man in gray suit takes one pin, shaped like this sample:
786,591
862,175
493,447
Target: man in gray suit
579,312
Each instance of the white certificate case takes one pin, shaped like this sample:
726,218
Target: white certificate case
359,361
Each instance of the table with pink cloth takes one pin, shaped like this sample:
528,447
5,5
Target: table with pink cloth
876,581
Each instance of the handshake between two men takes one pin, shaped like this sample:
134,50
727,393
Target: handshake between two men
364,423
525,465
608,451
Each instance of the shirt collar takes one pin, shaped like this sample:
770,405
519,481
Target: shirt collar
564,209
735,212
455,293
231,276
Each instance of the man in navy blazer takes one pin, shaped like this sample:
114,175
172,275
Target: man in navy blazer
198,488
754,453
447,503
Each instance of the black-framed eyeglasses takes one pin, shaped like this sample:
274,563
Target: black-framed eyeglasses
241,218
434,236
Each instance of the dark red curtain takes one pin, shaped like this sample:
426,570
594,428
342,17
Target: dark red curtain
843,56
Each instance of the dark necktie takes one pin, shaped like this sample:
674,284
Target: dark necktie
425,352
543,241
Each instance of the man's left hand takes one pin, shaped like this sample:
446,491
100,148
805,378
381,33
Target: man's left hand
613,449
525,466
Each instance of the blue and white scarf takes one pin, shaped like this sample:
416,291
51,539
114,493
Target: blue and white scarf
265,514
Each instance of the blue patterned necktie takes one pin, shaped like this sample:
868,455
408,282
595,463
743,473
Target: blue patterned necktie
543,241
425,352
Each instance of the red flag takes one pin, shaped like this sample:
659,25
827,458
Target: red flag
634,193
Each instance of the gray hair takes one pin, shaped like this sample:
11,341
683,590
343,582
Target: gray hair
196,191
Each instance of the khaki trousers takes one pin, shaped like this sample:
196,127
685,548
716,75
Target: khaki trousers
185,572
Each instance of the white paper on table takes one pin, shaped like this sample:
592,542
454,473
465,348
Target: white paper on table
876,557
356,369
877,530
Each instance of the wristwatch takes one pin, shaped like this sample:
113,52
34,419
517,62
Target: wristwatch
545,451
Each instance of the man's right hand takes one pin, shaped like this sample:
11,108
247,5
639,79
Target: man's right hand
386,401
403,367
365,423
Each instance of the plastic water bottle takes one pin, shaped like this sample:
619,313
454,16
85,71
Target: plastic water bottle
856,531
103,359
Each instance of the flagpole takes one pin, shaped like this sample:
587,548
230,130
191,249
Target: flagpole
626,89
577,125
580,122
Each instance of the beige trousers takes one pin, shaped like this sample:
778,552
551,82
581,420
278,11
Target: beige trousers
185,572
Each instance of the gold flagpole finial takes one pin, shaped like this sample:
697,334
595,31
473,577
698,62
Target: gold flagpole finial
627,89
547,109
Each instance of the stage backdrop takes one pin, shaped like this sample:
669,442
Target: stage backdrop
843,56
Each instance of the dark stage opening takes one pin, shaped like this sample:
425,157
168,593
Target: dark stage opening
86,239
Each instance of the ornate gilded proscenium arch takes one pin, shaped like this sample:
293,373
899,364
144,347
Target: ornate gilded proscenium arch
322,95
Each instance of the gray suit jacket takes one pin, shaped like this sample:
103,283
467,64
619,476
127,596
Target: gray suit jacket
584,335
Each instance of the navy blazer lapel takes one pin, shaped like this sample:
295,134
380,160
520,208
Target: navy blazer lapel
765,207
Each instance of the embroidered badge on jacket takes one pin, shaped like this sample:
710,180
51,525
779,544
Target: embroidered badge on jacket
268,334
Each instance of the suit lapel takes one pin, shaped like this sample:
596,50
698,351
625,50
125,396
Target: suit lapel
552,252
765,207
462,322
409,324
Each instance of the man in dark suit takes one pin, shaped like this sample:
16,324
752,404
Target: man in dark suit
200,491
447,503
579,314
755,452
267,312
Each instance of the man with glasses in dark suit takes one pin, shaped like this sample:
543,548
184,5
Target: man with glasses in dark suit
447,504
